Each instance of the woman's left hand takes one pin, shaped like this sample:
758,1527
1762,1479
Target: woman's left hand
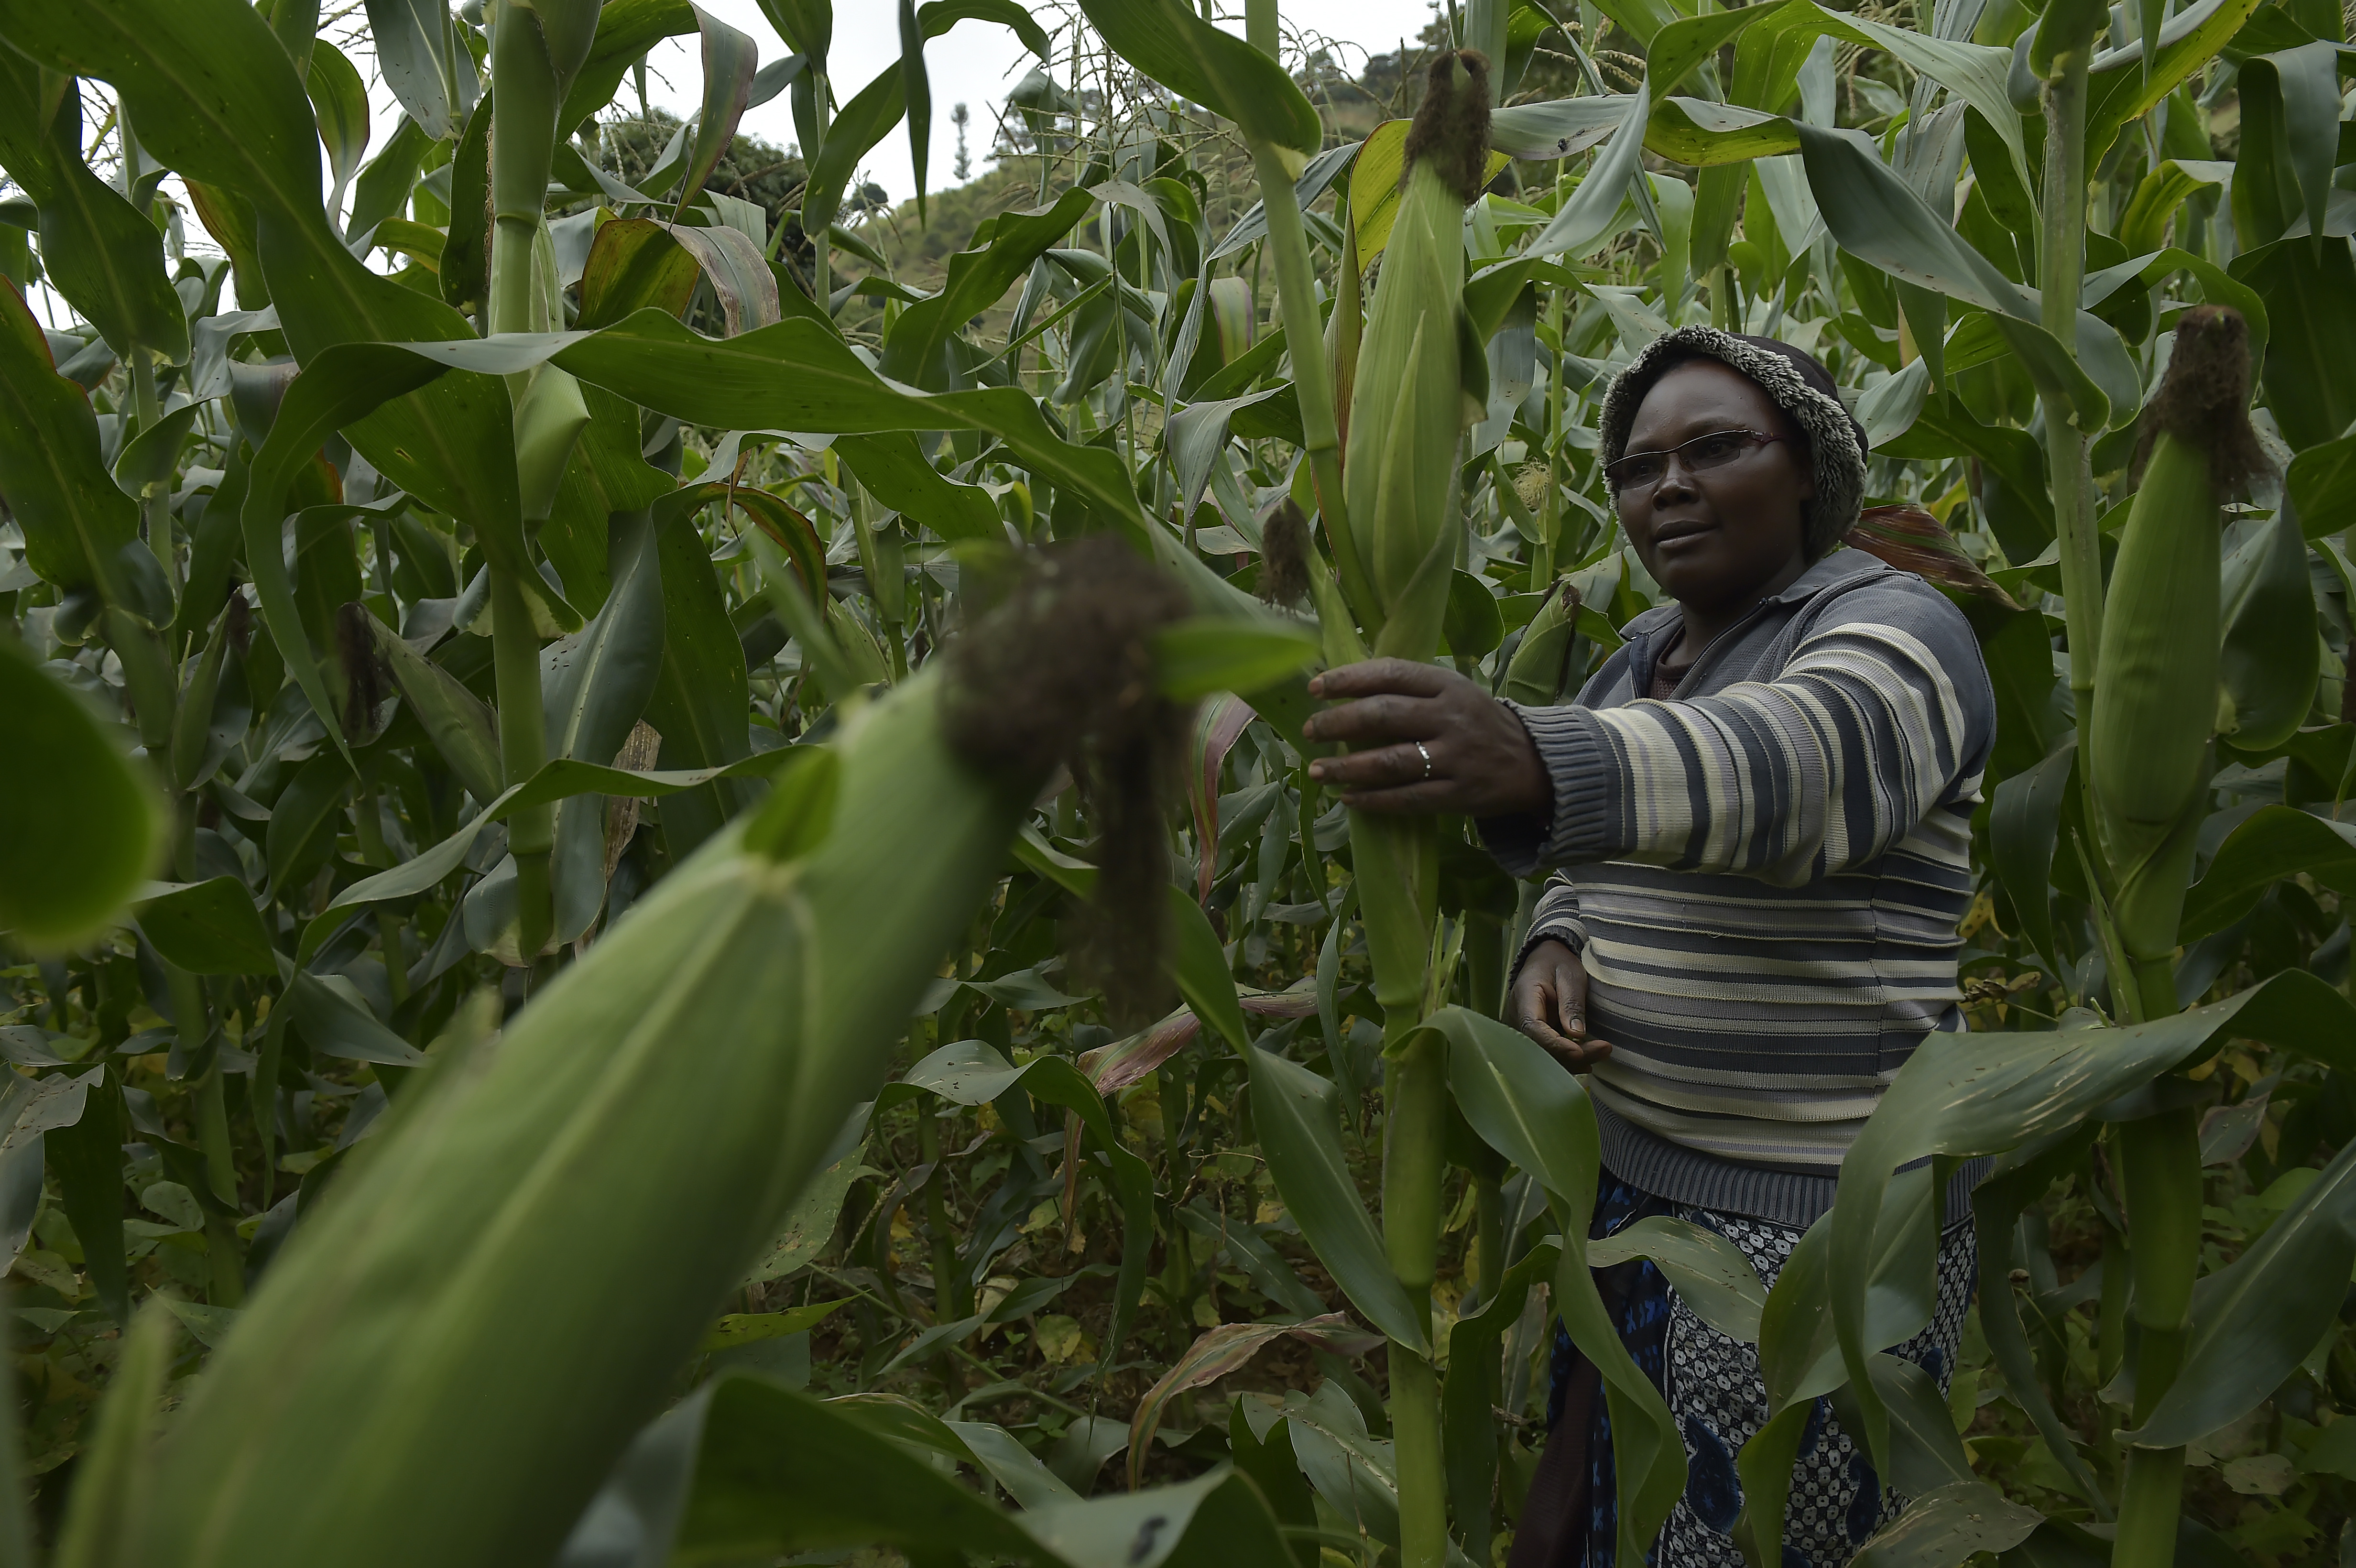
1423,740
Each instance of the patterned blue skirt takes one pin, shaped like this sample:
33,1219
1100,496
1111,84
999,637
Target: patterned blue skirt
1711,1383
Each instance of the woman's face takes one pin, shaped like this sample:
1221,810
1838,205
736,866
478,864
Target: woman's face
1721,538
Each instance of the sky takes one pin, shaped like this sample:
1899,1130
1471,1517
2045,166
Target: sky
977,63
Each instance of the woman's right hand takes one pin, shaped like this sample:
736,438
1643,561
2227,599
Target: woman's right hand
1551,1005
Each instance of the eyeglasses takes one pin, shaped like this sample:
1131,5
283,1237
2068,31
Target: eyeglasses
1703,452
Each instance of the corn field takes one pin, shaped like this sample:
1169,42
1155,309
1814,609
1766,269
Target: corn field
663,899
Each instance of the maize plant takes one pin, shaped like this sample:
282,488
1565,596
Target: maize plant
663,900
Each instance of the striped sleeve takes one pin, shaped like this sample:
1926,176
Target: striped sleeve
1882,711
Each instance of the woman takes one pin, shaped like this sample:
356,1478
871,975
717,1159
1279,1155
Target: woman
1763,808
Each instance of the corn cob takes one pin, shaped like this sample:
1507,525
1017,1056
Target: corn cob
1409,405
2154,701
500,1288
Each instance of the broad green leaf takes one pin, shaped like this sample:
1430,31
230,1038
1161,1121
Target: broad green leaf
1947,1526
1876,217
1300,1130
2024,825
2119,92
2321,485
1200,968
1472,1394
329,1015
1984,1094
1588,215
1524,1104
2270,659
806,25
895,470
102,253
205,928
917,350
1205,654
2255,1320
2309,388
635,264
627,30
594,685
339,99
88,825
968,1073
1167,41
2144,226
1710,1273
2273,842
461,725
1705,135
427,70
728,60
698,705
78,525
864,122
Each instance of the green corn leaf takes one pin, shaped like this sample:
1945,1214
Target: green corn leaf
2254,1321
2119,92
594,685
2024,825
776,1471
460,724
1947,1526
864,122
1472,1395
2270,659
1299,1131
969,1072
1709,1273
340,98
1526,1107
424,65
1960,1095
1207,654
205,928
2274,842
99,820
1876,217
2308,389
730,60
917,349
78,526
1167,41
698,699
103,253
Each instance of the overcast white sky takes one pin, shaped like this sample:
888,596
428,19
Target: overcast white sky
975,63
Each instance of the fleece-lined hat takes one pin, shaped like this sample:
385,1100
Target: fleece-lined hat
1800,386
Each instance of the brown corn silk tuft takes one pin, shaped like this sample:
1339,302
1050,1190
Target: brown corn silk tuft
1061,672
1452,124
2204,399
1284,555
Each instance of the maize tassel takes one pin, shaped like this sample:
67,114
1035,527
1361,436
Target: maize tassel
2155,702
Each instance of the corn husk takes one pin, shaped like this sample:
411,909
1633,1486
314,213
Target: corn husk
2156,689
500,1288
1407,404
